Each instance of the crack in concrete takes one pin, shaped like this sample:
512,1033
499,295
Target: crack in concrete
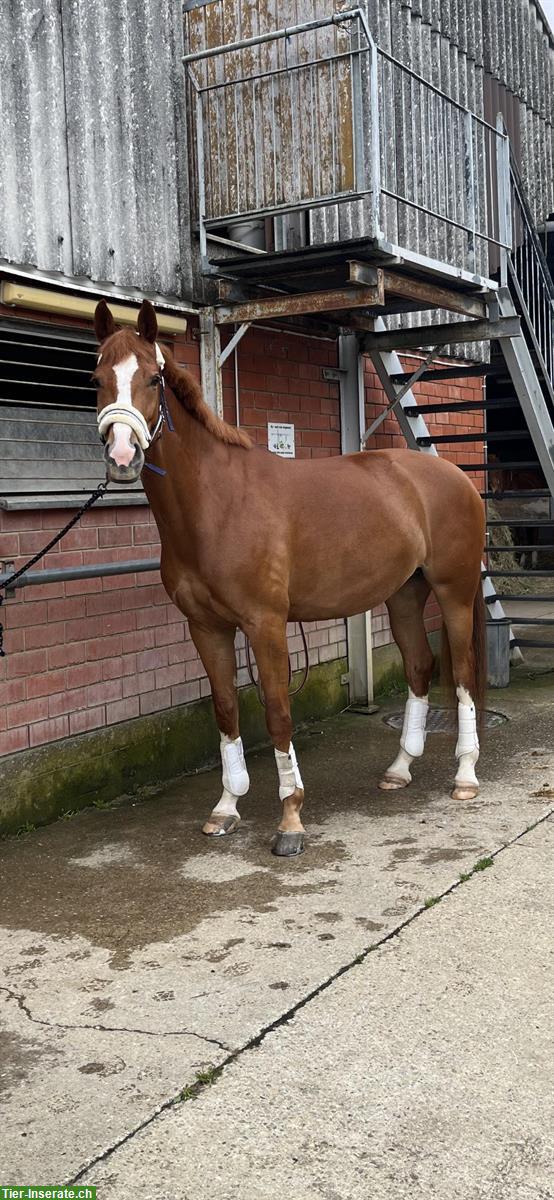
199,1086
20,1001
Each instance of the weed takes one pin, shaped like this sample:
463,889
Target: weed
465,875
483,863
431,900
208,1076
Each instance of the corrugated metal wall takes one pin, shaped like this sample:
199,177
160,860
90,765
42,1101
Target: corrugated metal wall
460,46
93,161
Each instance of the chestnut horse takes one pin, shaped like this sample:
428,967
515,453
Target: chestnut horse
251,540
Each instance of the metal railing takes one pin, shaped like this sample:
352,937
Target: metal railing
529,278
317,116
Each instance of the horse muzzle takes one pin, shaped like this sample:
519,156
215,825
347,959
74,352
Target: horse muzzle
123,472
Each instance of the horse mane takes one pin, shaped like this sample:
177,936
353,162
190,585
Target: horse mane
184,386
189,393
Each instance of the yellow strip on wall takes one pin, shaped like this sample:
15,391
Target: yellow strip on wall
63,304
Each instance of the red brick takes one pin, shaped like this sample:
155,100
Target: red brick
169,633
141,681
67,702
145,534
14,740
82,587
122,710
115,535
18,613
44,635
29,711
107,689
83,675
183,693
48,731
168,676
80,539
153,701
28,663
29,543
89,718
67,608
61,656
194,669
9,545
45,684
118,668
105,602
140,639
13,691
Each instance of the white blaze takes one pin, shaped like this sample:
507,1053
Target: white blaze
122,448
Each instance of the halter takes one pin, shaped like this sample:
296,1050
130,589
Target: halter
134,419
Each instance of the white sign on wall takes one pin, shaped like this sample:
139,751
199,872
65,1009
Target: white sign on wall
280,439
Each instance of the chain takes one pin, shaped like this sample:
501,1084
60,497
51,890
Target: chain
97,493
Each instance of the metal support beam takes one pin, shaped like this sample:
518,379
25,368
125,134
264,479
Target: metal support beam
236,338
441,335
303,303
210,360
426,293
358,628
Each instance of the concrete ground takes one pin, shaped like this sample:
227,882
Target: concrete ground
197,1019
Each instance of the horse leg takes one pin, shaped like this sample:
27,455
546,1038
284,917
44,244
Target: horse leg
269,643
406,618
217,651
464,621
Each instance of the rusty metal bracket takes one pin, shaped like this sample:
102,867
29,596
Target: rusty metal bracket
330,299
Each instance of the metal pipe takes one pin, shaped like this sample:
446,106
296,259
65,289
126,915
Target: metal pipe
306,27
65,574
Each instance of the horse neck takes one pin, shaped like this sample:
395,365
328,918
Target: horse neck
198,475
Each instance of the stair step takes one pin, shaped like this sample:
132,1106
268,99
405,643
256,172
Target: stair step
498,574
512,435
413,410
441,373
505,466
524,522
532,643
522,495
526,620
517,620
515,549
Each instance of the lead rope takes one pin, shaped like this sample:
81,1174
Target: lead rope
96,494
257,682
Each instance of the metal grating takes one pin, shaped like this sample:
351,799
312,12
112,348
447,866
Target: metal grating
444,720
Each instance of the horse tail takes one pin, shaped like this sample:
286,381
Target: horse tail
478,658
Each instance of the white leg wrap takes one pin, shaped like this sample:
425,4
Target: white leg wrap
227,806
467,746
235,775
401,766
289,774
413,735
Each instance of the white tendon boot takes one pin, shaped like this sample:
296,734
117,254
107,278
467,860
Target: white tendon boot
289,841
412,743
225,817
466,784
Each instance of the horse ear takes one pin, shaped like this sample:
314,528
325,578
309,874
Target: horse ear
147,324
104,324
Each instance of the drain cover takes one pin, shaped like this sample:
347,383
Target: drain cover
444,720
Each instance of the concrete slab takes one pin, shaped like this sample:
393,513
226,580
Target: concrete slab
136,953
425,1071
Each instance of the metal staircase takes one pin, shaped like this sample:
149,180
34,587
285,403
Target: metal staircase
520,388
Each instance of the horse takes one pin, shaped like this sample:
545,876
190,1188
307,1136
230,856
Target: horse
250,541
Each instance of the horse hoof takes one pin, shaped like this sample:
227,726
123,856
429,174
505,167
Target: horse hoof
218,826
285,845
464,791
390,783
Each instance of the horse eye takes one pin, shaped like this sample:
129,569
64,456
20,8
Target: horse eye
95,381
154,380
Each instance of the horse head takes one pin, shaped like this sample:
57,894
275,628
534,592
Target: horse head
128,376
